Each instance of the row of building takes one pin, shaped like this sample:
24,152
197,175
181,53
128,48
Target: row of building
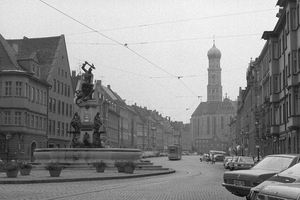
268,109
37,104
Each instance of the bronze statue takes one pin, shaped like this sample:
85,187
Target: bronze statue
96,135
86,86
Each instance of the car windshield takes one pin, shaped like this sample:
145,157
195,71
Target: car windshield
293,171
274,163
246,159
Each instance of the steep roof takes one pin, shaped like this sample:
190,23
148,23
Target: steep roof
44,48
8,60
209,108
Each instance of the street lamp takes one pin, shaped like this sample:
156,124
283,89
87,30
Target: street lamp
7,137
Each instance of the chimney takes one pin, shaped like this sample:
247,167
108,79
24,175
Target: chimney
108,86
73,73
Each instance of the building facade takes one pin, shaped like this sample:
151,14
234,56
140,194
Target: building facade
51,52
275,113
23,104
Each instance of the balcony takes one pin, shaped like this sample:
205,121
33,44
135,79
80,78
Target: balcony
292,81
294,123
274,130
274,98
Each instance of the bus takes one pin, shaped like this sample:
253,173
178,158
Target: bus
174,152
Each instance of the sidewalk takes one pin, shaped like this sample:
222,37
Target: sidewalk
71,175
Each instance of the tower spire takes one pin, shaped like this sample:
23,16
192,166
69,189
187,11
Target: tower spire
213,40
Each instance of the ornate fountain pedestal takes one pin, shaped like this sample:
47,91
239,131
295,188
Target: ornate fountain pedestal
86,144
84,156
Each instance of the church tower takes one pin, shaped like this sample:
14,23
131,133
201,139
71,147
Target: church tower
214,86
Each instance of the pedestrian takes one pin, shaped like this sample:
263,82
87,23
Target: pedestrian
213,160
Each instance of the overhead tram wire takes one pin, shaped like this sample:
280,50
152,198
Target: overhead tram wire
110,38
173,41
107,37
188,19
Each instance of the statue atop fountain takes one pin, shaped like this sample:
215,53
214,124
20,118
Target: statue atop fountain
86,131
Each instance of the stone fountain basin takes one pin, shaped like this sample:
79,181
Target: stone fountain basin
85,155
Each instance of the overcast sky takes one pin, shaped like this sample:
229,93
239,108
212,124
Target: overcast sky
141,47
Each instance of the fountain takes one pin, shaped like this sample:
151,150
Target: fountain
86,145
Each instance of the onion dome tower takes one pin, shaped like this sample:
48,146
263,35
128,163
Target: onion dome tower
214,86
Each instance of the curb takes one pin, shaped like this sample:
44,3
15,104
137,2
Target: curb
59,180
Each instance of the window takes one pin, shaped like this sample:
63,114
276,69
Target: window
208,125
33,94
298,20
18,118
18,88
222,122
7,117
53,127
275,50
68,91
54,85
289,65
41,123
284,40
36,122
8,85
32,121
26,90
37,96
54,105
67,109
62,129
65,74
298,59
58,87
62,88
294,61
287,22
279,47
58,128
62,108
45,98
67,129
50,127
58,107
50,104
71,112
293,19
297,101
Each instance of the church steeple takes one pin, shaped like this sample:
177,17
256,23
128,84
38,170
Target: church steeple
214,86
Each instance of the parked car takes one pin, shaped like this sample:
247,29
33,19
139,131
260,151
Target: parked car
289,191
241,162
226,161
240,182
219,157
291,175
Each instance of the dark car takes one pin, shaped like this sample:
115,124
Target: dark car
291,175
241,162
289,191
240,182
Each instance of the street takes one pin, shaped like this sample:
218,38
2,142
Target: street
193,180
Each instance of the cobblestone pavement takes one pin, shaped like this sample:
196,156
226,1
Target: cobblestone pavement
193,180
